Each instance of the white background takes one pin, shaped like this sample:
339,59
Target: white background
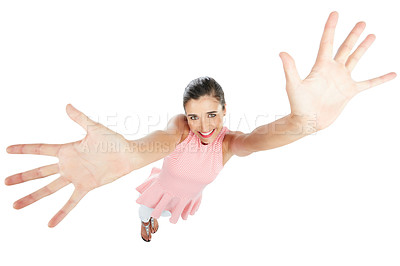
328,199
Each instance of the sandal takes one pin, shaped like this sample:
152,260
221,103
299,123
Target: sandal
147,227
152,224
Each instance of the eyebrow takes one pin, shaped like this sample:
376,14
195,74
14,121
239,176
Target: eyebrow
211,112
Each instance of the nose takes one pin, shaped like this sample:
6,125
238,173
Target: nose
204,125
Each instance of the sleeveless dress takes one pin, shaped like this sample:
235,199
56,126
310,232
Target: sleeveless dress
177,187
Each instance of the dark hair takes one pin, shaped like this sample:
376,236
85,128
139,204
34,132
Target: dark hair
203,86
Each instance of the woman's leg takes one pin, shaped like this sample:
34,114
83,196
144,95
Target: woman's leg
145,217
145,227
144,213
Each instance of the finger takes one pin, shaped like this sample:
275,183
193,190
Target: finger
359,52
41,193
364,85
77,195
348,44
39,148
326,45
289,66
79,117
32,174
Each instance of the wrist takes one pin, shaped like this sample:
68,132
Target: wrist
306,124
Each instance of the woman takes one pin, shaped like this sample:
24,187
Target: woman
199,136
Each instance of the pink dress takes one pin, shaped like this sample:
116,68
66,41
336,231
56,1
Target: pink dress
177,187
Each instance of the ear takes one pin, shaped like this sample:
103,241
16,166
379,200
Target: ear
225,110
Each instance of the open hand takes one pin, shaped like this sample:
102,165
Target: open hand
323,94
99,158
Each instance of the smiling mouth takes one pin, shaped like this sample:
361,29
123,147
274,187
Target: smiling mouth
209,134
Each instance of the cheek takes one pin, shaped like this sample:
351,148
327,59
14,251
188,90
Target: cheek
219,121
192,126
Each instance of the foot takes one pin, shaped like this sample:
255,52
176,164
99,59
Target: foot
153,225
146,231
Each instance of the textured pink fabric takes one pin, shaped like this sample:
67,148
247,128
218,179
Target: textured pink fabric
177,187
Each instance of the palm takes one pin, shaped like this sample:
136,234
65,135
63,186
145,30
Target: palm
96,160
324,93
99,158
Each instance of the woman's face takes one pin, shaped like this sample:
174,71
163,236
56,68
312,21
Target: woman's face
205,117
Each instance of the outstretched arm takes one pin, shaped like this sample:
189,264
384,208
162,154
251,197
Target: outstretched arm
100,158
157,144
318,100
273,135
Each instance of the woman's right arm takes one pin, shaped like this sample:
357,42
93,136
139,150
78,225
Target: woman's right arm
100,158
159,143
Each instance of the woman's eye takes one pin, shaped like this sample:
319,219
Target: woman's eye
195,117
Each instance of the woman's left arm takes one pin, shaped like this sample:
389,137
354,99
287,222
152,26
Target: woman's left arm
318,100
273,135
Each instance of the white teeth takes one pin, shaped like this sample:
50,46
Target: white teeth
208,133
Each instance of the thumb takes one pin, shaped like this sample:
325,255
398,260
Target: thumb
289,66
79,117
